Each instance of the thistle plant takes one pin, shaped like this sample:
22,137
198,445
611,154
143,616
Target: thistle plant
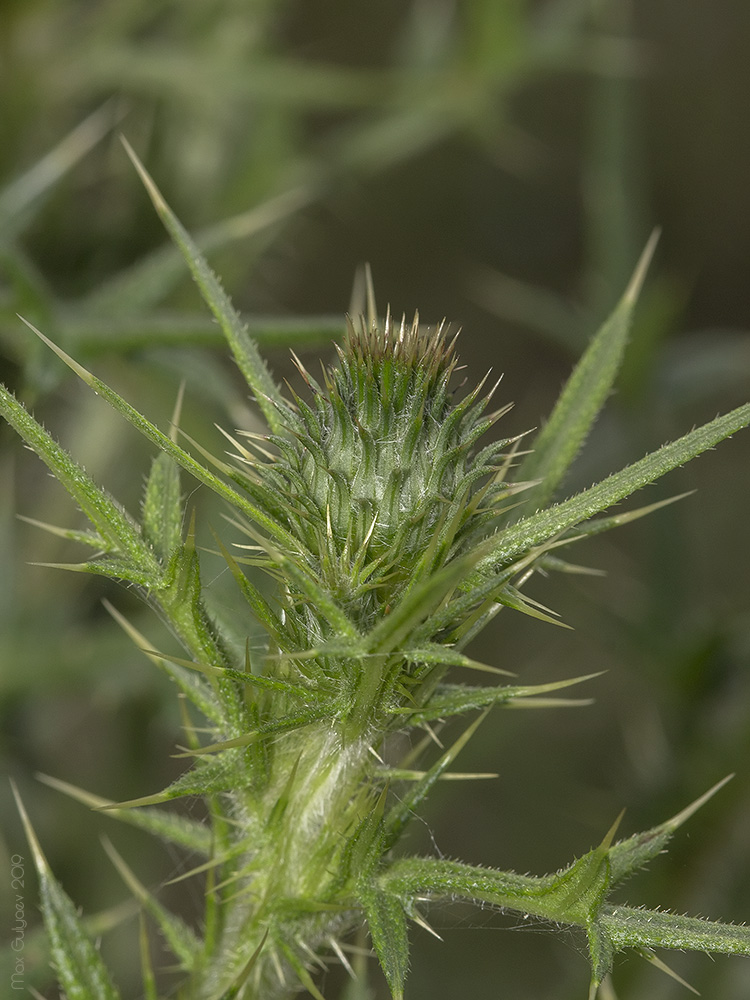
392,531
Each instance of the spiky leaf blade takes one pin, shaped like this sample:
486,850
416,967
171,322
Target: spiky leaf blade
162,507
387,922
119,532
545,524
171,827
80,969
250,363
165,444
629,855
583,396
633,927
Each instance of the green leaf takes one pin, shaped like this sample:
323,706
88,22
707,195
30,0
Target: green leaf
243,974
455,699
421,599
583,396
80,969
90,538
182,599
258,604
437,878
165,444
387,922
630,927
575,896
113,569
302,973
219,774
434,653
119,532
282,724
629,855
246,354
545,524
243,677
176,829
162,504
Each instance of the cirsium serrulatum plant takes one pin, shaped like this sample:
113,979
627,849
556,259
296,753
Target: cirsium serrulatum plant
393,535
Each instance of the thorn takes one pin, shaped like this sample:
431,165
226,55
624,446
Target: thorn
372,312
610,835
688,811
639,275
154,193
36,849
655,960
419,919
278,968
433,735
336,949
174,426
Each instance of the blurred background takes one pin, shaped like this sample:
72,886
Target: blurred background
500,163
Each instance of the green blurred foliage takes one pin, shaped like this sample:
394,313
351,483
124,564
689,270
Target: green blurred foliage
499,163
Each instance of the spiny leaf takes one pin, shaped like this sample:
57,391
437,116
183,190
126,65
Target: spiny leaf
113,569
181,596
509,597
244,974
535,529
90,538
455,699
258,604
307,582
169,826
79,966
434,653
218,774
663,967
302,974
165,444
162,505
283,724
423,598
631,927
629,855
597,525
119,532
405,774
584,394
244,677
246,354
387,923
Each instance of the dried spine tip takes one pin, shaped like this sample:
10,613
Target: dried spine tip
414,345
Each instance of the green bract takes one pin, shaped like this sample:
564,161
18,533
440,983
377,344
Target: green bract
393,533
